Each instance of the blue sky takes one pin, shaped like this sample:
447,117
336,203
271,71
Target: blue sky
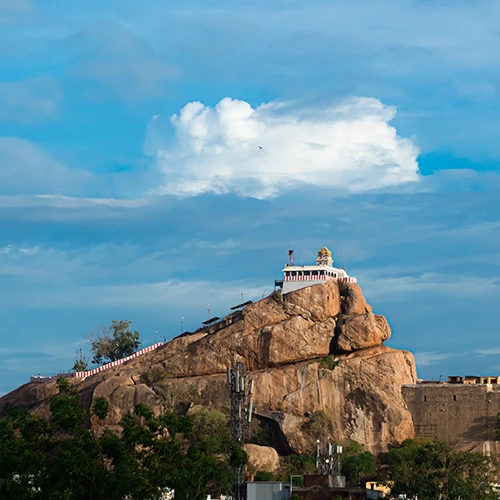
132,184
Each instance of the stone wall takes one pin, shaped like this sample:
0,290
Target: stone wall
456,413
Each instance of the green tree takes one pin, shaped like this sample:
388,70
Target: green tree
81,362
436,470
357,463
79,365
262,475
23,440
115,342
66,412
296,464
100,408
63,459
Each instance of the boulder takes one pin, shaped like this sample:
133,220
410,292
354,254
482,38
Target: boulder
353,301
360,332
261,458
322,301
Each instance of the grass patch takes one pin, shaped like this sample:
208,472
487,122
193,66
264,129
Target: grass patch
328,362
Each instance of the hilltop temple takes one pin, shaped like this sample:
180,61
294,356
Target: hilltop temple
296,277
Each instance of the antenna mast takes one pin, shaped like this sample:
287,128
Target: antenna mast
328,460
242,388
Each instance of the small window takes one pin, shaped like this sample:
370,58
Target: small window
307,273
425,399
315,273
454,397
294,273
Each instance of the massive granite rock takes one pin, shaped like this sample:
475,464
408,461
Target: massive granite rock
361,331
318,349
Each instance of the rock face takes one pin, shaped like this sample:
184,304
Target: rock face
284,342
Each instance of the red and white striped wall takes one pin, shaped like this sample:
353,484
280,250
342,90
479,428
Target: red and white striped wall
88,373
347,279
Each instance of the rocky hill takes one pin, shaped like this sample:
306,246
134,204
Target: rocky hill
319,349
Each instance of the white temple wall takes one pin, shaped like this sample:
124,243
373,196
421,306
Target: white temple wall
291,286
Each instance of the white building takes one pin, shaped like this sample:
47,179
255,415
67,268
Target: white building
269,490
297,277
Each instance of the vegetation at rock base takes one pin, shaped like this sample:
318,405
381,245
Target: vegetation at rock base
357,464
63,458
115,342
318,425
433,470
296,465
262,475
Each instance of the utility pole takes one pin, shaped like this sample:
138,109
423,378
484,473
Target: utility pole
242,388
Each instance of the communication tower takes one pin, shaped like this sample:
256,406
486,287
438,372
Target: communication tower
242,387
328,458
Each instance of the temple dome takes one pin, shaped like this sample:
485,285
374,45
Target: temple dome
324,252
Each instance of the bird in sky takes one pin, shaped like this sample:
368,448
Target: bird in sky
260,147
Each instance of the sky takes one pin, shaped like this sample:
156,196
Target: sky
157,157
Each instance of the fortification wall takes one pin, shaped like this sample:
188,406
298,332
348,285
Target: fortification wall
454,413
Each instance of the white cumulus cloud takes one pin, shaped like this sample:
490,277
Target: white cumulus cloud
273,148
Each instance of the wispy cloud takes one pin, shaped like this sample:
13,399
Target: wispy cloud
426,358
398,288
29,101
25,169
172,295
50,357
70,202
488,351
17,6
112,61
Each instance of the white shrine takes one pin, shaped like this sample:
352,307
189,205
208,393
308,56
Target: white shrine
297,277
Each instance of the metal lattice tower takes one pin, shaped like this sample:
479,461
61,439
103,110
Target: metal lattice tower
242,388
328,460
